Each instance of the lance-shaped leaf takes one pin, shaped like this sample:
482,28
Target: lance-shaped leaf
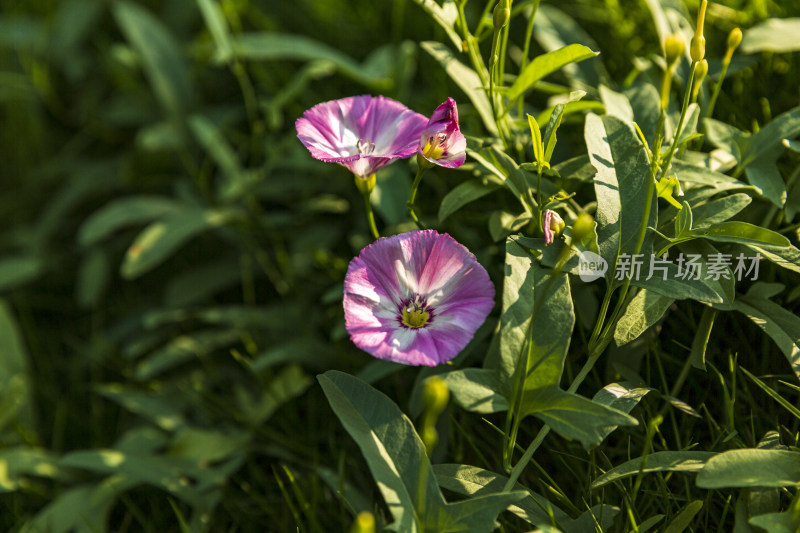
396,457
780,324
476,389
546,64
688,461
573,416
161,56
752,467
621,396
643,311
620,186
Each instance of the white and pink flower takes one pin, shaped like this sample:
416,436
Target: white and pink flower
416,298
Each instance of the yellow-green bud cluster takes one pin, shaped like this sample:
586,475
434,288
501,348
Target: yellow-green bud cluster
583,226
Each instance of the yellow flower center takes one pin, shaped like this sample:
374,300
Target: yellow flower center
415,317
434,148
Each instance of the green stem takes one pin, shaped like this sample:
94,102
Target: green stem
686,93
410,204
717,87
526,48
370,216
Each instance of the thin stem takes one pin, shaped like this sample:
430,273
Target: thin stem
526,48
410,204
718,86
370,216
686,93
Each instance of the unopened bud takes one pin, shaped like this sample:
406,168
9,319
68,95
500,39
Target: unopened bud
734,39
435,395
698,48
674,45
583,226
700,73
501,14
364,523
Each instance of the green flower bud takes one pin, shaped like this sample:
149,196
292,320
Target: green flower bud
734,39
501,14
364,523
698,48
435,395
583,226
674,45
701,71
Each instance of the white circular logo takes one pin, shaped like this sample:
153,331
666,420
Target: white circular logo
591,266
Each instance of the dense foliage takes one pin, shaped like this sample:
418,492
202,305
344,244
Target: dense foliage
173,351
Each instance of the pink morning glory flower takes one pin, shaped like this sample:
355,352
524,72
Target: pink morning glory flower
441,142
363,133
553,225
416,298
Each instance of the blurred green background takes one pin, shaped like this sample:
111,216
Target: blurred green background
171,257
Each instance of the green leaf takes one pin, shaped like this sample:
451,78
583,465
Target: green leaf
719,210
161,239
704,177
684,518
538,147
643,311
464,193
775,35
773,394
476,389
784,126
620,396
680,461
123,212
684,220
218,26
19,463
701,337
779,323
396,457
473,481
16,270
616,104
546,64
554,29
211,138
81,509
787,257
445,15
269,46
393,450
16,394
183,348
524,283
751,468
763,174
466,78
161,56
620,186
573,416
740,232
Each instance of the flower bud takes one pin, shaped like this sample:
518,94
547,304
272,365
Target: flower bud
734,39
700,73
674,45
583,226
698,48
501,14
553,225
364,523
435,395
